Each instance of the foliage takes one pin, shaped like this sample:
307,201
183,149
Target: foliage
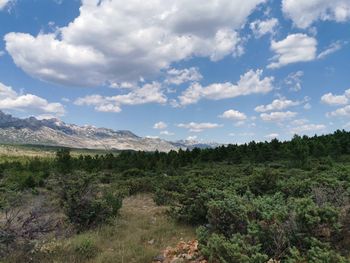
237,249
85,204
286,201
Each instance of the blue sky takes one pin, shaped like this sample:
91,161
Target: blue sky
224,71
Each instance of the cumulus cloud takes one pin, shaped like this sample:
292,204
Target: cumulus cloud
263,27
4,3
132,39
277,105
179,76
198,127
293,80
331,99
294,48
304,13
278,116
148,93
341,112
11,100
233,115
299,122
160,125
249,83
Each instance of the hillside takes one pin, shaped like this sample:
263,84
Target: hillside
54,132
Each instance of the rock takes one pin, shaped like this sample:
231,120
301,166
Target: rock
183,252
159,258
151,242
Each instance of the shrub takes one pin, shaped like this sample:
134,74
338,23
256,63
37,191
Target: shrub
192,207
86,205
229,216
237,249
163,197
318,253
133,173
263,182
313,220
140,185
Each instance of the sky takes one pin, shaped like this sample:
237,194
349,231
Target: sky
226,71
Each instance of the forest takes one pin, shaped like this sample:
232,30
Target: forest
277,201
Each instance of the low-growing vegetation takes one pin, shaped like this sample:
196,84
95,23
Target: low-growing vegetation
282,201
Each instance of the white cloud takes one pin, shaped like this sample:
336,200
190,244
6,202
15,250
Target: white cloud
233,115
198,127
277,105
160,125
293,80
278,116
11,100
148,93
341,112
192,138
249,83
123,85
118,41
334,47
179,76
167,133
294,48
152,137
261,28
4,3
331,99
304,13
272,136
307,128
299,122
307,106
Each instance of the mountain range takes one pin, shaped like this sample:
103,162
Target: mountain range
54,132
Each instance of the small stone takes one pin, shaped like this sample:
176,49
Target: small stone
151,242
159,258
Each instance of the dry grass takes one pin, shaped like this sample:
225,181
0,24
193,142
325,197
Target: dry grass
23,153
16,153
141,232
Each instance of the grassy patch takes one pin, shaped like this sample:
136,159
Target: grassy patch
139,234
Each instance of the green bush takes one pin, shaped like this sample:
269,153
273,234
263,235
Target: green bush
237,249
86,205
192,207
21,180
314,220
139,185
262,182
163,197
229,216
318,252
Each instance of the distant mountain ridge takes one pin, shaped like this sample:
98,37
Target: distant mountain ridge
54,132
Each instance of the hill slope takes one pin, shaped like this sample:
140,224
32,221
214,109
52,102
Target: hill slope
54,132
